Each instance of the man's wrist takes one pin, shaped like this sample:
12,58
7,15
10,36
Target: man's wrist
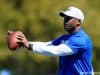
30,46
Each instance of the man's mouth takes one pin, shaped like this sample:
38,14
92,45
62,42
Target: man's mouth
68,28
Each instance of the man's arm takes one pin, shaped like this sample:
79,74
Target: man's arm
45,48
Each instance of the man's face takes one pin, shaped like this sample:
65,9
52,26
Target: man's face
70,23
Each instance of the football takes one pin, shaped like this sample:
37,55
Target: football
12,41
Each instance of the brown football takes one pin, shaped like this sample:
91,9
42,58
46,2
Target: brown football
12,44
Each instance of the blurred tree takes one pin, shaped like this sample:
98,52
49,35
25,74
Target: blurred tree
39,20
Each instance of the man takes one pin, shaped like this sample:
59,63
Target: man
74,49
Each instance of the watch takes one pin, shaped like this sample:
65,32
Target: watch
30,46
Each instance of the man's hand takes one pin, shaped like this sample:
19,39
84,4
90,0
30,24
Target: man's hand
22,39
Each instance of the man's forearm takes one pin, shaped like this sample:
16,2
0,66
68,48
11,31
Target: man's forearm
45,48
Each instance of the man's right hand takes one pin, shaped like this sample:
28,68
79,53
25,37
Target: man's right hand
22,39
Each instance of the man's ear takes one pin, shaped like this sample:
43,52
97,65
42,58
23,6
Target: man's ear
78,23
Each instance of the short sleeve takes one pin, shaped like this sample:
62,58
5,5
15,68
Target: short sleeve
59,40
77,44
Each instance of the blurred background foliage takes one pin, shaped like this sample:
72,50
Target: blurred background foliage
39,21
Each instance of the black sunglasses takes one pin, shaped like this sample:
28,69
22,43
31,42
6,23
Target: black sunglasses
67,18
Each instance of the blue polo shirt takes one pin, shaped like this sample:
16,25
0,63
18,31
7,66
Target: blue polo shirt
79,63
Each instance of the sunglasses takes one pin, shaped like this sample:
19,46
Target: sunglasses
67,18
